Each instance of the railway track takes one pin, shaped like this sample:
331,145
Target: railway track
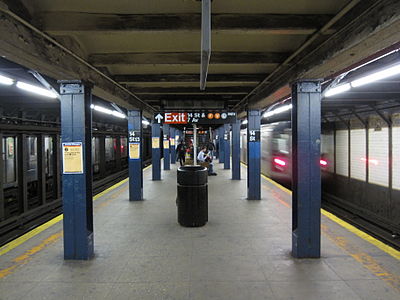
14,227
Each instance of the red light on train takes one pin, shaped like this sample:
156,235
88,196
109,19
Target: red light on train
279,162
323,162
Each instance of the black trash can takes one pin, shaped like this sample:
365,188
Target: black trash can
192,199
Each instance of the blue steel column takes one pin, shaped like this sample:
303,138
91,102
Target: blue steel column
253,157
227,146
306,186
221,145
216,141
236,150
135,159
166,147
156,151
76,127
172,145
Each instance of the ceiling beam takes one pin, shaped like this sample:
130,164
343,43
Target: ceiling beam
237,90
67,22
366,29
127,79
183,58
32,49
185,97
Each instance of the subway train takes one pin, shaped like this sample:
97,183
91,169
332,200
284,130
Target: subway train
109,159
360,170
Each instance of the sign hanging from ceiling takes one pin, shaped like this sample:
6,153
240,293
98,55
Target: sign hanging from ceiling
200,117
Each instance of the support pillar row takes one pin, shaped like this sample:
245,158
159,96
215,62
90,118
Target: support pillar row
172,131
221,146
156,151
167,158
227,146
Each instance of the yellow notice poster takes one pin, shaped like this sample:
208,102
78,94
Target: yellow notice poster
134,150
155,142
72,158
166,144
172,142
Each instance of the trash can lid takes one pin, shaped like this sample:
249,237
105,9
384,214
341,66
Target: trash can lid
192,168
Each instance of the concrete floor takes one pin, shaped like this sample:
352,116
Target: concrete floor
242,253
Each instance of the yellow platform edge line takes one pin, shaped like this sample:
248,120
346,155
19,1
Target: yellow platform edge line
365,236
23,238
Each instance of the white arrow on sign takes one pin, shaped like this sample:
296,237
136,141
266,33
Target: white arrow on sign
159,117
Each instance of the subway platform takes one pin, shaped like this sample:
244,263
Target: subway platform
242,253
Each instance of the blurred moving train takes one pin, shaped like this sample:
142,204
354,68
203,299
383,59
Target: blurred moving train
360,170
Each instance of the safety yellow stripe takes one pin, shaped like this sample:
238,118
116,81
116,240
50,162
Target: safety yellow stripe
23,238
365,236
386,248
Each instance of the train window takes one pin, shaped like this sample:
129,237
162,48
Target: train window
110,149
281,144
9,157
124,147
48,148
32,151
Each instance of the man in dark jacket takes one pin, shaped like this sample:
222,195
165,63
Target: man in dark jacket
180,152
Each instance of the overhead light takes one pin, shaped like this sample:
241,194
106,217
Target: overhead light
277,110
145,122
337,90
5,80
36,90
107,111
118,114
395,70
245,122
102,109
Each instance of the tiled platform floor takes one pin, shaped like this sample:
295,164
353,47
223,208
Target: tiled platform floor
242,253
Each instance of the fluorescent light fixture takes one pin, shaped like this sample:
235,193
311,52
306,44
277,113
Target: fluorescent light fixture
395,70
102,109
245,122
145,122
107,111
338,90
118,114
36,90
5,80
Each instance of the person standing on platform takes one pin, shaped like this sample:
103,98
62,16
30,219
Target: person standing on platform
180,151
